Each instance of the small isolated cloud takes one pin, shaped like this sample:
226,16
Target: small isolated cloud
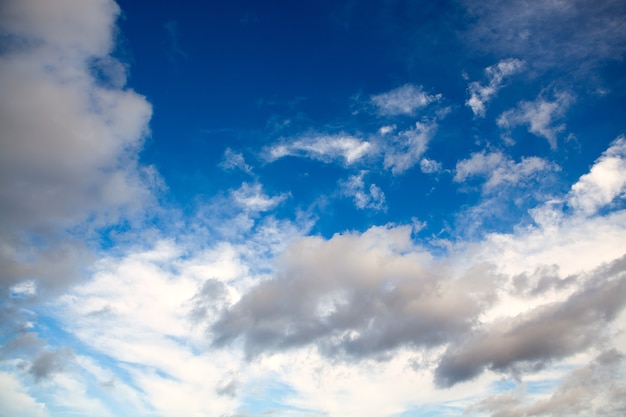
539,116
480,95
372,198
252,198
605,181
325,148
405,149
403,100
499,170
429,166
234,160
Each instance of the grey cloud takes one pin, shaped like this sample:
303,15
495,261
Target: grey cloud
574,34
595,389
356,296
49,362
549,332
70,134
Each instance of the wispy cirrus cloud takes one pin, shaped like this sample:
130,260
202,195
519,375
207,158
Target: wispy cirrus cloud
404,100
323,147
405,149
496,74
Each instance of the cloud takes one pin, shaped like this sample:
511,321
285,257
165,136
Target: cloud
234,160
404,100
428,166
354,187
575,35
252,198
539,115
325,148
173,41
605,181
499,170
70,139
49,362
549,332
404,150
496,74
594,389
15,399
358,295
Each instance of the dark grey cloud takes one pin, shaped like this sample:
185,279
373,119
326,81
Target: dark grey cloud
550,332
550,33
49,362
595,389
357,296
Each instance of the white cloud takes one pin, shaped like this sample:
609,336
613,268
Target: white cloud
499,170
234,160
480,95
372,198
429,166
605,181
252,198
402,100
15,399
325,148
405,149
540,116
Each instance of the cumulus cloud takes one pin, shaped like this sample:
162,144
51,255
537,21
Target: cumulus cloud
539,116
500,170
70,138
604,183
429,166
480,95
404,100
404,150
326,148
354,186
358,295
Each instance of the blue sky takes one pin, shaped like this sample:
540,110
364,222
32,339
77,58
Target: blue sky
331,208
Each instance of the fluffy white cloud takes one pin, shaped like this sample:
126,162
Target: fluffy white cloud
402,100
15,399
253,199
325,148
605,182
540,116
480,95
234,160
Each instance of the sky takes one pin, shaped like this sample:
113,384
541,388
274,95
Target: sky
339,208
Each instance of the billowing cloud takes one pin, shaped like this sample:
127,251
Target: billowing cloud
539,116
404,100
326,148
499,170
358,295
605,182
354,186
70,137
480,95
